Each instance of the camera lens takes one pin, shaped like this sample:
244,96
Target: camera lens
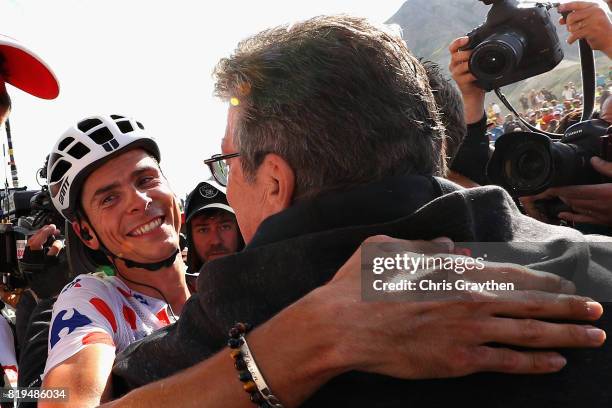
497,56
492,62
527,167
530,165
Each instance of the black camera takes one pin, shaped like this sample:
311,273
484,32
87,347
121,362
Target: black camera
513,44
24,216
527,163
22,212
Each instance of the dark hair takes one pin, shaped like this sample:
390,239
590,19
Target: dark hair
342,101
450,104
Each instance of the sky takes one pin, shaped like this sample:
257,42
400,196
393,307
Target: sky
148,59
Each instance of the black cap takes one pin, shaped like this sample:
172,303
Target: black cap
207,194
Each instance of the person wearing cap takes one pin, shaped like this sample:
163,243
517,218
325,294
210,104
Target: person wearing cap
25,70
211,228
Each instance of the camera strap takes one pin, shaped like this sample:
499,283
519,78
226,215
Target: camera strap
587,63
528,125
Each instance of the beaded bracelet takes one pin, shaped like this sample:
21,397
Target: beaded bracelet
248,372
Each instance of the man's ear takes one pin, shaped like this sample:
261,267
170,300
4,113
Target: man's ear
84,231
279,181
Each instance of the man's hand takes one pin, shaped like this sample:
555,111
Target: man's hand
590,204
417,340
37,241
331,331
473,96
587,20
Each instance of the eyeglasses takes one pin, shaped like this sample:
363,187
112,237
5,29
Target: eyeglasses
219,168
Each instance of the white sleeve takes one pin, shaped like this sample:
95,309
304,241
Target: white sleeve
82,315
8,359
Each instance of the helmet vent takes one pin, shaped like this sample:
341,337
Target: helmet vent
117,117
60,169
110,146
78,151
53,157
125,126
88,124
64,143
140,125
101,136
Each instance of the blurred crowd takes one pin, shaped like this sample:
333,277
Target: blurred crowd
545,110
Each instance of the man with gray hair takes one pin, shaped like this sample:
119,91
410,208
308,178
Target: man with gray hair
332,136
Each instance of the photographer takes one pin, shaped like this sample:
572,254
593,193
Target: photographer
47,270
471,159
590,203
23,69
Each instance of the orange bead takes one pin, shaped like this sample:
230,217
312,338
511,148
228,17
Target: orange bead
249,387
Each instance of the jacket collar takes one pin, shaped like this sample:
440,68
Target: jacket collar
373,203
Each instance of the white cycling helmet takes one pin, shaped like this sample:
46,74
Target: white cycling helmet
86,146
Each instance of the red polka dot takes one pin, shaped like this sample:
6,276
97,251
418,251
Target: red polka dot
163,316
130,316
103,308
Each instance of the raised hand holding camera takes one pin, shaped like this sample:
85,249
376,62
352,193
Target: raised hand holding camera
513,44
473,95
589,21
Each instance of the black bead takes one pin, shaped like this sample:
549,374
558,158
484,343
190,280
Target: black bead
240,364
244,376
234,343
234,333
